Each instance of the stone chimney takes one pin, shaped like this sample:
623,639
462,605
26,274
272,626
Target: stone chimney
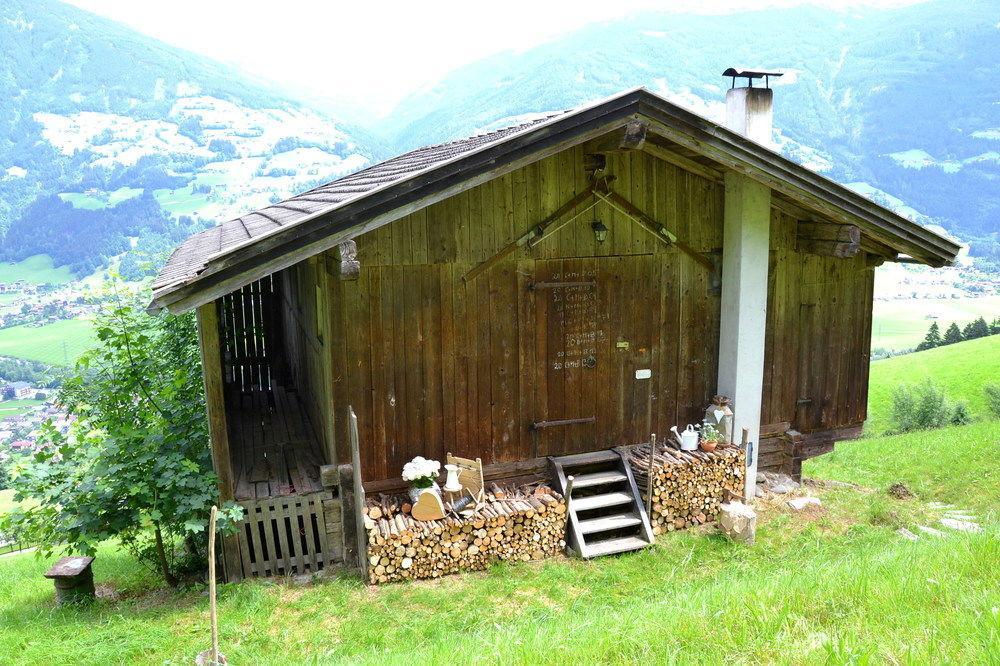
749,108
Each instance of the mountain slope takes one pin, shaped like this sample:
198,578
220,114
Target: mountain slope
898,100
107,135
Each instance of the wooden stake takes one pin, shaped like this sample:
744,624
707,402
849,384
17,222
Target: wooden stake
211,585
649,483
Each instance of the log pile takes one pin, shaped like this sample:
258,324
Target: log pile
510,524
688,486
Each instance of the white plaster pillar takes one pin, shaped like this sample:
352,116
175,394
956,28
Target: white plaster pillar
745,244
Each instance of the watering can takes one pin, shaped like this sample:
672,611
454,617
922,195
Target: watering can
688,440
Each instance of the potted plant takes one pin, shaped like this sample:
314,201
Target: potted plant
710,437
422,474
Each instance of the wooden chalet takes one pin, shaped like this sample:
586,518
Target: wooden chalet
568,285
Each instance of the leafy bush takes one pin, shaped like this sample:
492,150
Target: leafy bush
992,392
925,406
136,464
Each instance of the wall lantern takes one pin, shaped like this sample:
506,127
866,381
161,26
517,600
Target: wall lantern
600,231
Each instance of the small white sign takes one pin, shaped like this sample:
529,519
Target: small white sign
643,373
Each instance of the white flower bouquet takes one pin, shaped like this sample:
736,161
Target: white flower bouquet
421,473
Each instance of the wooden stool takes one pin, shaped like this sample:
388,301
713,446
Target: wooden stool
74,580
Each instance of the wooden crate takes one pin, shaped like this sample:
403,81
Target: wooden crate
290,535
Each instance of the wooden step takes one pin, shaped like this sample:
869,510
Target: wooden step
612,546
591,458
599,501
598,478
617,521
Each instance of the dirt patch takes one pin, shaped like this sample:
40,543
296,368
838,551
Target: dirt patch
900,491
107,592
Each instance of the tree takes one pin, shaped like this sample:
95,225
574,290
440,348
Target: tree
136,465
977,329
995,326
932,339
952,335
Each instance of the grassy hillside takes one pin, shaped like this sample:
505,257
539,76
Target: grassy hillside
960,369
60,343
902,324
37,269
835,585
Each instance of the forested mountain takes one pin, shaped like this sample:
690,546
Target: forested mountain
901,102
111,140
107,136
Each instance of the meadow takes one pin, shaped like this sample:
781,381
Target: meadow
902,324
38,269
58,343
834,584
9,408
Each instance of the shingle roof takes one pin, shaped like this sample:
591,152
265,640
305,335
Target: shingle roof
219,260
191,256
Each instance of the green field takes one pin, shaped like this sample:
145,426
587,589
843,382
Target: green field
59,343
181,201
9,408
960,369
902,324
36,270
834,585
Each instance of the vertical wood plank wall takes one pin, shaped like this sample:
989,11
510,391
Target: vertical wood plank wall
433,364
304,301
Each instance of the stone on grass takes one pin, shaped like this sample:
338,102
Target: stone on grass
738,522
907,534
930,530
800,503
961,525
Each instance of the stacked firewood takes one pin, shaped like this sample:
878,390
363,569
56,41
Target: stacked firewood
688,486
509,524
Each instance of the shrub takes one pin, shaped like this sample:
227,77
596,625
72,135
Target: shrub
136,465
992,392
920,407
960,414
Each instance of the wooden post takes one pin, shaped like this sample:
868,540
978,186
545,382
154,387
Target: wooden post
359,493
215,406
649,480
213,612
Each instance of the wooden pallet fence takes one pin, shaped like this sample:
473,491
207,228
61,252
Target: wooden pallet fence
510,525
290,535
688,486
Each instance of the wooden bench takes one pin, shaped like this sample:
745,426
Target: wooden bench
74,580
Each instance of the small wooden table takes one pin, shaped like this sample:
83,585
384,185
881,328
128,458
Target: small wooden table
74,580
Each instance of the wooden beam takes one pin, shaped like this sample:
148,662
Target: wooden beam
350,267
531,236
681,162
632,137
628,209
842,233
218,432
828,248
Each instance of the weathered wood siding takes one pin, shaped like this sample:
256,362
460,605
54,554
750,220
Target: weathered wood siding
818,335
434,364
305,300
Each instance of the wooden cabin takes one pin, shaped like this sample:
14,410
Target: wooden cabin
566,285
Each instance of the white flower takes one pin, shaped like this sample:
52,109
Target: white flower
420,468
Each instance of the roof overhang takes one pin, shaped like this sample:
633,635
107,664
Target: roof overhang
239,265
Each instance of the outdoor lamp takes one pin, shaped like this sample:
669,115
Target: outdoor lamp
600,231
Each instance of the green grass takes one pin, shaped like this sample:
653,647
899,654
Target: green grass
902,324
836,585
960,369
181,201
36,270
59,343
9,408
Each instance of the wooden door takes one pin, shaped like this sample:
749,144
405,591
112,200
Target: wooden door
594,320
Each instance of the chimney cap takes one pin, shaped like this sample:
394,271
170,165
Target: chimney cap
751,74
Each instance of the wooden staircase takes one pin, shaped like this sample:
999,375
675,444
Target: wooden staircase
606,514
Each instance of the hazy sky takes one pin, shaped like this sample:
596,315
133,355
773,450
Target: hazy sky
374,52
